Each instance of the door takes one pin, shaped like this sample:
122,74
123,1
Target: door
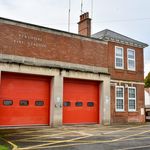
81,101
24,99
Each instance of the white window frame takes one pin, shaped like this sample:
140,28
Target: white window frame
119,110
119,57
132,69
131,110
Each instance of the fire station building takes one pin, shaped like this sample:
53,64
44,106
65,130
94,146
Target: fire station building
51,77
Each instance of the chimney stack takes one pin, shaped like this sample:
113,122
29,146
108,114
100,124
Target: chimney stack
84,25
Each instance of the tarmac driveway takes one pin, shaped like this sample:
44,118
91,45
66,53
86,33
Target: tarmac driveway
81,137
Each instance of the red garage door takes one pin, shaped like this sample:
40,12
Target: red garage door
24,99
81,101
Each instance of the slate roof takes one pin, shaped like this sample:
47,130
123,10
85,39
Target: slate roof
108,35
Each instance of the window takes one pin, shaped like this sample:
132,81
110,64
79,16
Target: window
131,59
7,102
119,98
119,58
90,104
24,102
39,103
66,104
132,99
78,104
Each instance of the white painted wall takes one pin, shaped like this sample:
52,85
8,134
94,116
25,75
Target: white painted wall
147,98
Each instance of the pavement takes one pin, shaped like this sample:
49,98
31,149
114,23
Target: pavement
79,137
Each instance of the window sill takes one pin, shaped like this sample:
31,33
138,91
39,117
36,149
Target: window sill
119,69
119,111
132,111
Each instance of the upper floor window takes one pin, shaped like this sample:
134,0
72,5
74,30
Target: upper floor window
131,59
119,57
132,99
119,98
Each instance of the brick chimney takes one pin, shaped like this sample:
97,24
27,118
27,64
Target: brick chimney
84,25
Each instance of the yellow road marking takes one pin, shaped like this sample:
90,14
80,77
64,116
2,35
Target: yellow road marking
125,129
51,145
39,140
26,132
119,139
80,132
140,138
56,142
83,141
71,140
137,147
42,136
89,142
48,144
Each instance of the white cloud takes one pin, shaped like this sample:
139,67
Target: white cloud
54,14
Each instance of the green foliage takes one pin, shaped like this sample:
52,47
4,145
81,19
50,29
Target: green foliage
3,147
147,81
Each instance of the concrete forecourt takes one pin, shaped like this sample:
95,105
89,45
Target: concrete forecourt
117,137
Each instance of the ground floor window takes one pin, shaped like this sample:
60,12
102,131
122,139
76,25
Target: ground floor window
132,99
119,98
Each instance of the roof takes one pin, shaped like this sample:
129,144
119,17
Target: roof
108,35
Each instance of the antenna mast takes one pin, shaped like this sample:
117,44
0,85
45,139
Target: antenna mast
91,13
81,7
69,15
91,9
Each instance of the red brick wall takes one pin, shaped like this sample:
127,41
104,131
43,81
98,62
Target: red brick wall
22,41
125,117
125,74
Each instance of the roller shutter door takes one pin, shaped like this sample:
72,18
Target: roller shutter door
81,101
24,99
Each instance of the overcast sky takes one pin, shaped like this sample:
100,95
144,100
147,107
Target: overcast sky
128,17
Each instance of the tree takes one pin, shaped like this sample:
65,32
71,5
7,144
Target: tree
147,81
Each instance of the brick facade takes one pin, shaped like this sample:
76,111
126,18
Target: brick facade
56,46
128,77
125,74
126,116
48,44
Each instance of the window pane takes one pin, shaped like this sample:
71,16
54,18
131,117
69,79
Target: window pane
90,104
7,102
131,93
24,102
120,104
67,104
119,62
119,52
78,104
119,92
131,104
131,54
131,64
39,103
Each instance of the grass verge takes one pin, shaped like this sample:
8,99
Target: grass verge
2,147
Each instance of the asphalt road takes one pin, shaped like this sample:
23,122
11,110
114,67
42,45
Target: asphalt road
82,137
